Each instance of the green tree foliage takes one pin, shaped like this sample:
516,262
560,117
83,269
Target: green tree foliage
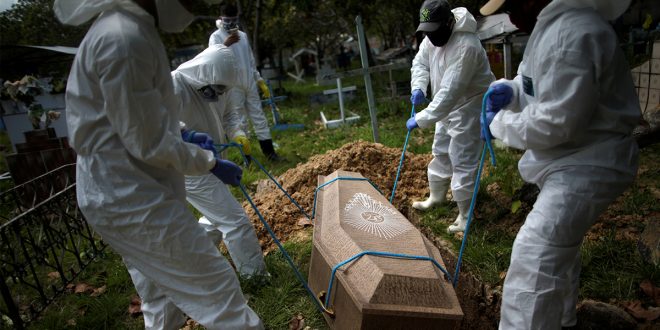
320,25
33,22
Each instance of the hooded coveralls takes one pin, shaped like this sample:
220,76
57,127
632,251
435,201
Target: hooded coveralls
217,66
573,111
459,74
122,123
245,99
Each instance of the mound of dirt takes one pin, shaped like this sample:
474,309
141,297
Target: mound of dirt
374,161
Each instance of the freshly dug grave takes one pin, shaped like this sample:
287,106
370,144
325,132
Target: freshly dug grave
378,163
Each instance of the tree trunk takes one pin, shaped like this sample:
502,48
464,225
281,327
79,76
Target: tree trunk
255,33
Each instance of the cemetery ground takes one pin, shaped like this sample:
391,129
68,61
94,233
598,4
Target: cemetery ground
613,269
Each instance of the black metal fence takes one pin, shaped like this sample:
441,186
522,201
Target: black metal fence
44,243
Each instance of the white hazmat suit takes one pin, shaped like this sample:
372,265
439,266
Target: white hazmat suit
459,74
216,65
245,100
573,110
121,116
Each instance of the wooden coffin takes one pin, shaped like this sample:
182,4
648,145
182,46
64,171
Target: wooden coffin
376,292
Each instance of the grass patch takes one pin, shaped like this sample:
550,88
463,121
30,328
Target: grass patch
284,297
434,218
505,173
107,311
276,302
5,144
487,253
613,269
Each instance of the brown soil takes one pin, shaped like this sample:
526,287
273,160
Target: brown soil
379,164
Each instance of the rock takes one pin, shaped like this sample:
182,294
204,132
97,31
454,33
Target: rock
264,185
649,242
599,315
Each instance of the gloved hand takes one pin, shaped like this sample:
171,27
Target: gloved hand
264,88
227,172
485,126
411,124
231,39
417,97
245,142
201,139
500,96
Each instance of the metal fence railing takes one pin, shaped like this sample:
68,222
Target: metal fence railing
45,243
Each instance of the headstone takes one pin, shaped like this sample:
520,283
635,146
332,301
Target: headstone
376,292
42,152
325,70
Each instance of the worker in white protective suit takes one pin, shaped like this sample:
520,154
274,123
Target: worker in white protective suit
452,59
205,112
245,100
572,107
122,123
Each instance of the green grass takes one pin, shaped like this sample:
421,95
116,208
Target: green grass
107,311
505,173
613,269
276,303
6,144
487,253
284,297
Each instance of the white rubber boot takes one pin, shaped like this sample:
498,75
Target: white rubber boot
437,196
461,220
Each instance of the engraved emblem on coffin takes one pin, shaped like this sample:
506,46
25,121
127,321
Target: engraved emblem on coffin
369,215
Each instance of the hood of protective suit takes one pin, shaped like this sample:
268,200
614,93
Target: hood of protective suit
465,22
609,9
216,65
76,12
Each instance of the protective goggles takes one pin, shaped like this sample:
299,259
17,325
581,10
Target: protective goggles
229,23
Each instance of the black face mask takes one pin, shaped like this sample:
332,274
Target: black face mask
440,36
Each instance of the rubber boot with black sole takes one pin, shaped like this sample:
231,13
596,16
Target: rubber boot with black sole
268,150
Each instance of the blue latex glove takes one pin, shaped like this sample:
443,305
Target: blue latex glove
417,97
485,127
500,96
227,172
201,139
411,124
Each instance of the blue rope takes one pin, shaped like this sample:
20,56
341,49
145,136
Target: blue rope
284,253
487,133
223,146
282,189
263,169
403,153
380,254
336,179
473,202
